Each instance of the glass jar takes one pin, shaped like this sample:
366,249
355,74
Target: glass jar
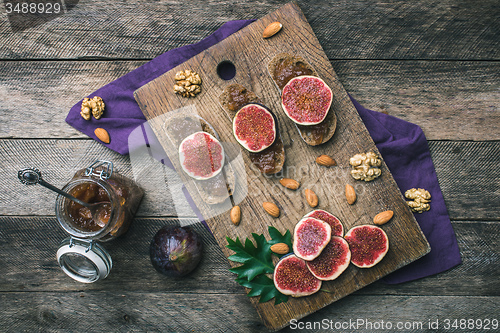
81,256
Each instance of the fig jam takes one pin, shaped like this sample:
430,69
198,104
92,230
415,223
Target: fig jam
287,70
81,216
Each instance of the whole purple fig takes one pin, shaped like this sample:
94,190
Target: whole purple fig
175,251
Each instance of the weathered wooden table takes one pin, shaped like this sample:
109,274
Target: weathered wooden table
434,63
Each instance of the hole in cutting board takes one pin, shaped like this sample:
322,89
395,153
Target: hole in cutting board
226,70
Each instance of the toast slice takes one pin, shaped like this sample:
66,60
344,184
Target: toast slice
271,159
282,68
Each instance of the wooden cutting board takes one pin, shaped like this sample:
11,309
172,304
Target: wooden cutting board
250,54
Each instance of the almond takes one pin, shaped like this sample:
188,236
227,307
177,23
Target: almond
235,215
280,248
350,194
311,197
383,218
292,184
325,160
272,29
271,209
102,134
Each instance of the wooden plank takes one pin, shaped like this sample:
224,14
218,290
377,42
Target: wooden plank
469,194
444,98
423,29
181,312
29,245
435,95
251,54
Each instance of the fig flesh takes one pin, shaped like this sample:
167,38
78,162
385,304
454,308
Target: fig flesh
368,245
175,251
333,221
306,99
201,155
333,260
310,237
254,127
291,277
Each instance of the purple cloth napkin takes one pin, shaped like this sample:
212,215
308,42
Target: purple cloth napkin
402,145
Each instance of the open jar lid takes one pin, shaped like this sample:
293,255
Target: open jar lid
84,260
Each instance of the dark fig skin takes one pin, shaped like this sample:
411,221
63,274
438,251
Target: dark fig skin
175,251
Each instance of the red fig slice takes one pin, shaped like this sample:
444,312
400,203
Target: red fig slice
333,221
201,155
291,277
368,244
333,260
254,127
306,99
310,237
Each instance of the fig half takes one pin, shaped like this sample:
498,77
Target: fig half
291,277
201,155
333,260
333,221
310,237
254,127
306,100
368,245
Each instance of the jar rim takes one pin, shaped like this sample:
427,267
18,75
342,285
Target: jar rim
64,220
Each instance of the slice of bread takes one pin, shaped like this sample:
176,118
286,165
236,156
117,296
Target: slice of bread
214,190
274,153
314,134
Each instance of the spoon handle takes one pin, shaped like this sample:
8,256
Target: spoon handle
31,176
64,194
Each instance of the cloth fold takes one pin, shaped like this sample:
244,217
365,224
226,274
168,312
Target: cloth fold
402,144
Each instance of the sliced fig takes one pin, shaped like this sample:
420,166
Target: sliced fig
310,237
292,277
368,244
333,260
201,155
333,221
254,127
306,100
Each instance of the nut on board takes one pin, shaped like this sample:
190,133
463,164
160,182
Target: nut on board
420,199
188,83
365,166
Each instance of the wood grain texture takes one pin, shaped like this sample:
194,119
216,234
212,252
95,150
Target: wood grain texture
251,53
28,246
423,29
173,312
434,95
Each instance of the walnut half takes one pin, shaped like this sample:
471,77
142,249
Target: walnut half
187,83
420,199
365,166
94,105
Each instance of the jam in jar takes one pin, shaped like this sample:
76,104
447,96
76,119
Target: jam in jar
81,256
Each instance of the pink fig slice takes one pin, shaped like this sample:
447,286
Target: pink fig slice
310,237
201,155
368,244
333,221
254,127
333,260
292,277
306,99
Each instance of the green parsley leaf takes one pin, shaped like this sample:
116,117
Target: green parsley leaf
264,287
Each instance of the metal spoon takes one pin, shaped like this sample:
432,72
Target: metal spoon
31,176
